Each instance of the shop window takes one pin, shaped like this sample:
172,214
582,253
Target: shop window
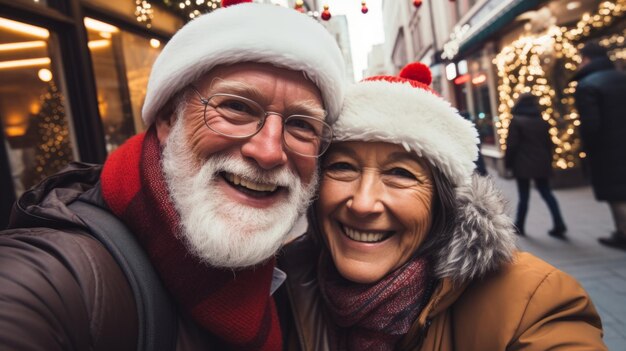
33,113
163,20
482,114
122,63
36,2
483,118
460,92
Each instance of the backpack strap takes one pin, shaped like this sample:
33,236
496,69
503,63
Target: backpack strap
156,313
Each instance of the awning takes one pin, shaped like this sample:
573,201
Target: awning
494,21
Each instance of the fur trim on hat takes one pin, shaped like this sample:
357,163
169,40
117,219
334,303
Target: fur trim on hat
398,113
248,32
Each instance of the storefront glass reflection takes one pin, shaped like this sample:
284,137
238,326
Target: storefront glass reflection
121,62
33,112
36,2
481,114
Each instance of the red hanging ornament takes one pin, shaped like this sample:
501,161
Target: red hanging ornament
326,14
299,6
417,3
226,3
364,8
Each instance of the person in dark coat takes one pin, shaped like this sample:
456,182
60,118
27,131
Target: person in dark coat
529,156
601,103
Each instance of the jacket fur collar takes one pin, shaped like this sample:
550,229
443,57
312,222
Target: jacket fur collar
484,236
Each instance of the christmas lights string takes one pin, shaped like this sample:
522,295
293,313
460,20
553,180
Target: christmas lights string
522,69
191,9
144,12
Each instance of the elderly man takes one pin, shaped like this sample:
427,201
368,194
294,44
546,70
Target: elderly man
238,107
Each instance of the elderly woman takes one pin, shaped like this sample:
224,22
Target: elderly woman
407,250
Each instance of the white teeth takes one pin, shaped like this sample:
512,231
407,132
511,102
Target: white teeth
237,180
366,237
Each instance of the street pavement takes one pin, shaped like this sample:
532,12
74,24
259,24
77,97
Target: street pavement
600,270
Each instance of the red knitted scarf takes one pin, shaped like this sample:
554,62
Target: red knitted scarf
234,306
373,316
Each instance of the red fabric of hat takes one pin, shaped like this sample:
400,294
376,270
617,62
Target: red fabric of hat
416,73
226,3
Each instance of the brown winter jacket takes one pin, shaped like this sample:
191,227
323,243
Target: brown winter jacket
60,289
489,296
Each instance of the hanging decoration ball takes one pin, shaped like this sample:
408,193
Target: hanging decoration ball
364,8
326,13
299,6
226,3
417,3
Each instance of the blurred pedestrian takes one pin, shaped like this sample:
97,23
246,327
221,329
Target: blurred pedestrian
601,103
529,156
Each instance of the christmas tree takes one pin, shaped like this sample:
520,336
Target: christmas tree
54,150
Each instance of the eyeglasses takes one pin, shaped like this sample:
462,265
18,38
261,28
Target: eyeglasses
239,117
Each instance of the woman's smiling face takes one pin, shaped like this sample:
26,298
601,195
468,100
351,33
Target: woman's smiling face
375,207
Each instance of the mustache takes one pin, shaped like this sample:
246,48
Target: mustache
283,177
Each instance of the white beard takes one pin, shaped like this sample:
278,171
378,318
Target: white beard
218,230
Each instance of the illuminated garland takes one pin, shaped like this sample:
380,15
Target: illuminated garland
144,12
615,40
191,9
520,70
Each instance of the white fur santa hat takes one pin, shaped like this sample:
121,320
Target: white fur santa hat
248,32
404,110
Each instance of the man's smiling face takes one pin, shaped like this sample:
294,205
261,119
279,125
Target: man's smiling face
238,198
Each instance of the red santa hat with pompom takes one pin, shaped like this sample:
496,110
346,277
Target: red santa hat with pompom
404,110
248,32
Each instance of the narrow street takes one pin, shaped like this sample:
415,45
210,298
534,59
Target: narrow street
601,270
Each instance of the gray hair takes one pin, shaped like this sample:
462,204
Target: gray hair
444,217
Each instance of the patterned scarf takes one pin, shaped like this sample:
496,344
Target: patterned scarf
234,306
374,316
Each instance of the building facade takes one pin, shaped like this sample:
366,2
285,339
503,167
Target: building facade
377,64
338,28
